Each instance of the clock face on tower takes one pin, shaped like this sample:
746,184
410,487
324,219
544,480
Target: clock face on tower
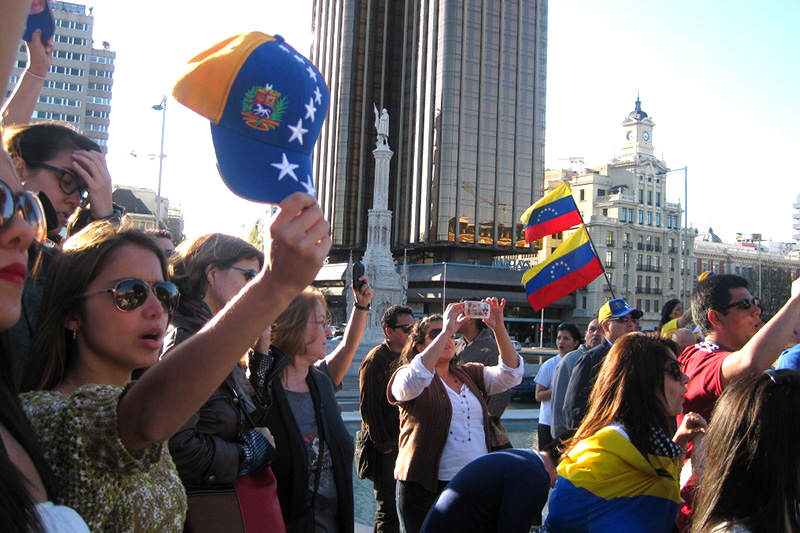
646,136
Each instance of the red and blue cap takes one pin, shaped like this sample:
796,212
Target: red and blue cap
266,103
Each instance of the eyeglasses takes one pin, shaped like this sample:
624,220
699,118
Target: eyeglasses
405,327
68,181
783,376
131,293
624,319
744,304
249,273
433,333
27,205
673,368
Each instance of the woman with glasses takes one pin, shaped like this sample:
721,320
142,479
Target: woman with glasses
751,475
620,472
27,485
568,338
226,438
105,310
444,422
313,450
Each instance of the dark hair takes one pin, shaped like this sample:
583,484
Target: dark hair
192,258
666,311
389,318
630,389
83,258
752,468
159,233
572,329
714,292
17,510
417,336
44,140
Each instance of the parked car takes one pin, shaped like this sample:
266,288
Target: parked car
524,391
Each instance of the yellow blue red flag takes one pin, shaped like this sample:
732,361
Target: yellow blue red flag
553,213
573,265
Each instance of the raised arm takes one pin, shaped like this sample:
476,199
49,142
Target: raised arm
14,17
766,345
175,388
451,321
508,354
19,108
341,357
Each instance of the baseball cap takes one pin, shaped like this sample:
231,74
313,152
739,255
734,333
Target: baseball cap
266,103
616,308
705,274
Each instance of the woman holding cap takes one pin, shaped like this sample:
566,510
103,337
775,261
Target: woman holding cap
621,467
444,422
105,310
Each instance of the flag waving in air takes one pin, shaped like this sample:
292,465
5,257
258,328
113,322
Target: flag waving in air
553,213
573,265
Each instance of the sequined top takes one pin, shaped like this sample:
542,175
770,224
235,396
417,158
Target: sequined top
97,476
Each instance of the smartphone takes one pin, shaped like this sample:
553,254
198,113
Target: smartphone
476,310
358,271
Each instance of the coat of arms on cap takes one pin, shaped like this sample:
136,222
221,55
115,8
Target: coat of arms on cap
263,108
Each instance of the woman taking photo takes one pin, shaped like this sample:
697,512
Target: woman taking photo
313,451
751,475
621,470
444,423
105,309
568,338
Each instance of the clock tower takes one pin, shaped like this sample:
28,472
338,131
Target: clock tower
637,129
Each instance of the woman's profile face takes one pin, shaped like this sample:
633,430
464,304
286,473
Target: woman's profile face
674,386
677,311
434,327
48,181
15,238
316,333
565,342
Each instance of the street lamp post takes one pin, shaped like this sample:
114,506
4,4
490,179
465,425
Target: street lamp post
163,108
685,170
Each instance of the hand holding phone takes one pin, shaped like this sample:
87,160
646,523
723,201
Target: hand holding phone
358,272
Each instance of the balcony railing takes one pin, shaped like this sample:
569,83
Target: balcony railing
627,244
648,268
672,250
610,244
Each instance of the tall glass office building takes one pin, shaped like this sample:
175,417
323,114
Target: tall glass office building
464,84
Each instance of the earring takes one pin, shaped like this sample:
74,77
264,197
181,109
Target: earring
74,335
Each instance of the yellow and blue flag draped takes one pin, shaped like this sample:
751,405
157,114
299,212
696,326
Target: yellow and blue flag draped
606,484
573,265
553,213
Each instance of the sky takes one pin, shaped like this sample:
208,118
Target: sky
719,78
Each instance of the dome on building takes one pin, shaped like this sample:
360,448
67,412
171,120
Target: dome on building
637,113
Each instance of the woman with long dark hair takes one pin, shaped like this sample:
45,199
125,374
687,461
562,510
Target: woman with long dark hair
750,479
444,421
621,469
673,317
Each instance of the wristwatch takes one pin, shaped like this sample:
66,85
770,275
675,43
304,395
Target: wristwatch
362,307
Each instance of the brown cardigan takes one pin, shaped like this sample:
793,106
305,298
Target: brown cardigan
425,422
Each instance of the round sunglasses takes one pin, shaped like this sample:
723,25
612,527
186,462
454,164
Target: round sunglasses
132,293
27,205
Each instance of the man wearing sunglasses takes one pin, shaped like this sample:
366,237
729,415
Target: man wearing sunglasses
379,418
616,319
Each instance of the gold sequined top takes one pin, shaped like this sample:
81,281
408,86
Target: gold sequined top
97,476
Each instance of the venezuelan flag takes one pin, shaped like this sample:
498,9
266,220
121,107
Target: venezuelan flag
553,213
606,484
573,265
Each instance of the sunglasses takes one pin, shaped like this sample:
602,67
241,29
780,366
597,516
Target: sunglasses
405,327
249,273
433,333
132,293
68,181
623,319
673,368
744,304
27,205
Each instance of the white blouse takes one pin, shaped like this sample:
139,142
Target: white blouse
60,519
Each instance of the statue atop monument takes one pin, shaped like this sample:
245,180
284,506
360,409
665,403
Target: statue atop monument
381,125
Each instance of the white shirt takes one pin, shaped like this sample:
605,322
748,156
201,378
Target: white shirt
60,519
466,438
545,378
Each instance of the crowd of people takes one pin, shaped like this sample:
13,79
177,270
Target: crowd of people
143,385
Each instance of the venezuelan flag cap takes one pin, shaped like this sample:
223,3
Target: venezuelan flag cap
266,103
617,308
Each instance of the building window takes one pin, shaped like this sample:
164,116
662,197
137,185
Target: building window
671,283
649,218
641,216
638,303
601,192
630,215
609,258
656,307
647,306
626,259
583,302
641,196
658,219
625,280
582,195
649,197
658,199
605,212
639,260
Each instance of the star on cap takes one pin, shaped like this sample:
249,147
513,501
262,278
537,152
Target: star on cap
297,131
286,168
310,109
317,95
311,73
284,48
309,186
300,59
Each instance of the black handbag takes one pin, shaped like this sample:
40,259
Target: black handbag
365,455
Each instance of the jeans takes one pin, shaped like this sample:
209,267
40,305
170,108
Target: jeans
413,503
383,480
545,437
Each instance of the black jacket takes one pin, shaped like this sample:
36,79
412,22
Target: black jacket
290,461
581,381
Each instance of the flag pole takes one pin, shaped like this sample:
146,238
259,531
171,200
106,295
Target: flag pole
602,263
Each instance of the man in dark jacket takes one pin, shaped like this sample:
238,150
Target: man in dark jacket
617,318
378,417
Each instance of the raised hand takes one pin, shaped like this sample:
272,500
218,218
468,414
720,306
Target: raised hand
496,308
40,54
453,318
364,295
92,169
